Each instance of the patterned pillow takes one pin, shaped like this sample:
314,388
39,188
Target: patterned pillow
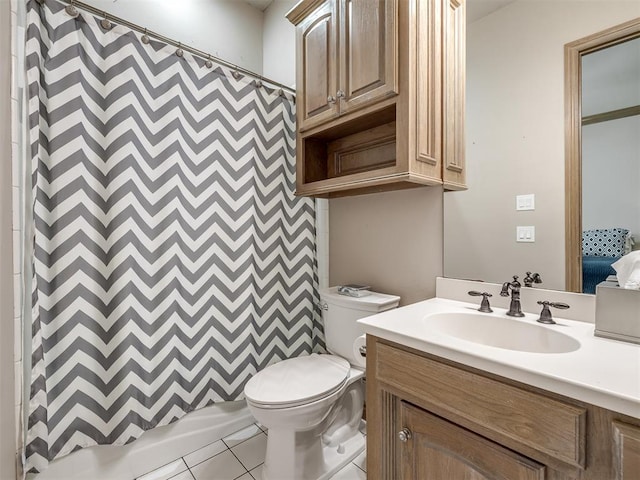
608,242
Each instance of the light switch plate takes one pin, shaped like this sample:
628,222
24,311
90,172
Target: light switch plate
526,202
525,234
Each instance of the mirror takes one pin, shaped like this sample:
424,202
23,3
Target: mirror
516,140
602,80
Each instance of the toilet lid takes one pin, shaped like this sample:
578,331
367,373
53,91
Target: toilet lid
297,381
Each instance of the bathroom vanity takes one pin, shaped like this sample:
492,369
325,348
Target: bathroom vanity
539,406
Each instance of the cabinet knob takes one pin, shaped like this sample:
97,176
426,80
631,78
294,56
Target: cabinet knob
331,99
339,94
404,435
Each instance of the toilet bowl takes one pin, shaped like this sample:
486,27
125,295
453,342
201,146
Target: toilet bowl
312,405
319,422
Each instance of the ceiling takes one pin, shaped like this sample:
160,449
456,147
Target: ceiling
259,4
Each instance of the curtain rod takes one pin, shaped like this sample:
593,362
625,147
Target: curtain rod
170,41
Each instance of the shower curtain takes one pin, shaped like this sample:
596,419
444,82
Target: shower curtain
171,260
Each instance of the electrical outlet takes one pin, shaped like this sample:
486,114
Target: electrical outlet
526,202
526,234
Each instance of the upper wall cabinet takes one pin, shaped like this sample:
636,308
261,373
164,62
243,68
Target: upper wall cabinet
346,57
368,52
380,95
317,38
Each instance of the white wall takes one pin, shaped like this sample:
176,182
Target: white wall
279,43
611,175
7,364
228,29
391,241
515,137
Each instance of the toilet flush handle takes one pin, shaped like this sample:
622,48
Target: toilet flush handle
322,306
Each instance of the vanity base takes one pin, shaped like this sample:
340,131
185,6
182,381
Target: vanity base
471,421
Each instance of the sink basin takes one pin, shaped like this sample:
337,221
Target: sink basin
501,332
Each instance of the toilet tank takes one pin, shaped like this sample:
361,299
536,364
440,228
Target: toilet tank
340,314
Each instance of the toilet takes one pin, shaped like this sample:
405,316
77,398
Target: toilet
312,405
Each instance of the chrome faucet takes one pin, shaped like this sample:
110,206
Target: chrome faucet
515,309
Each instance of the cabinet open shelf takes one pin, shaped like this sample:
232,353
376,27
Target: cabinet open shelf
352,147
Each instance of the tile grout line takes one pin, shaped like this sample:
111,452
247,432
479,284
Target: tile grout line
240,462
227,447
206,459
245,440
193,475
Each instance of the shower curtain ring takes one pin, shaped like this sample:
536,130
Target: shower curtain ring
259,82
208,63
105,23
71,9
145,38
236,74
179,51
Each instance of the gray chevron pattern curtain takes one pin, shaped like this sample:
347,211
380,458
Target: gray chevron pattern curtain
171,258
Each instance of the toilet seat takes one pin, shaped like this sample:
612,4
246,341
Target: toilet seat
297,381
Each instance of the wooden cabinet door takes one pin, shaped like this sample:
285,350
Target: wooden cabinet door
454,28
368,52
438,449
627,451
317,75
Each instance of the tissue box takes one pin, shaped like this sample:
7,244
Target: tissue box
617,312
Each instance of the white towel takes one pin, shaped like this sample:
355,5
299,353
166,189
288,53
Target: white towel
628,271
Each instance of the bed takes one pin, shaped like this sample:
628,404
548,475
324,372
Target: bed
601,248
596,270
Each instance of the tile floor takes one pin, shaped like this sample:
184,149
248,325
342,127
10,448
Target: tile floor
237,457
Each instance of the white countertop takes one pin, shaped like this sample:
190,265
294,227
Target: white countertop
602,372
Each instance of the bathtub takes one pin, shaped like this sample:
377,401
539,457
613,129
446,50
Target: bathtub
153,449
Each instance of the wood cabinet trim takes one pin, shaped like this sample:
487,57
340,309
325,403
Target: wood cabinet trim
302,9
627,451
374,184
503,412
426,55
453,187
381,459
339,123
454,72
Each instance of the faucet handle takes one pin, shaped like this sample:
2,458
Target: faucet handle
532,278
484,305
545,314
